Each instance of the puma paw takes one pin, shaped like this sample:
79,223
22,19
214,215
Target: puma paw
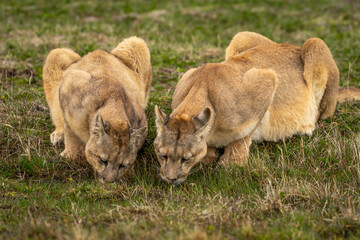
73,155
234,159
57,137
68,154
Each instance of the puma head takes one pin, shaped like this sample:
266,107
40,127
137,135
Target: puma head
112,152
180,142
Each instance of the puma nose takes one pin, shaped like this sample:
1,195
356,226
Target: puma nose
101,179
172,180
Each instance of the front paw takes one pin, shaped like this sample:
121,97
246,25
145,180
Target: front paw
57,137
211,156
234,159
68,154
73,155
64,154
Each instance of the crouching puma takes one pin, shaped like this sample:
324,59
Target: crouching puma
97,103
262,91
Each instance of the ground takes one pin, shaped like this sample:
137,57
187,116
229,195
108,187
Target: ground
300,188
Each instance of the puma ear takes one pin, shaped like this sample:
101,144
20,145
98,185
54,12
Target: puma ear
101,127
203,121
161,118
137,136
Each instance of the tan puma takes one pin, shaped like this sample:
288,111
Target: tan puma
97,103
262,91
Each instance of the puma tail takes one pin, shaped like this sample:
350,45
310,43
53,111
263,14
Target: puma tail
348,93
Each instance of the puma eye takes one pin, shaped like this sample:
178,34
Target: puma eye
185,160
165,157
103,161
121,166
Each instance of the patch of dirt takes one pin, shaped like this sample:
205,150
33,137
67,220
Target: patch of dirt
9,68
89,19
13,72
198,12
139,16
166,73
166,76
214,52
39,108
29,39
155,13
36,41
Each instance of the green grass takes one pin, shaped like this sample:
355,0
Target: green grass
300,188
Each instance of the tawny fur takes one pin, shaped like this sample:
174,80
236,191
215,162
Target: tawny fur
98,102
348,93
262,91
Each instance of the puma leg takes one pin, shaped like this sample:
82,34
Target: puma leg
56,137
56,63
321,74
74,147
243,41
237,152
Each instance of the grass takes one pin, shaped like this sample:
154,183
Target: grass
300,188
